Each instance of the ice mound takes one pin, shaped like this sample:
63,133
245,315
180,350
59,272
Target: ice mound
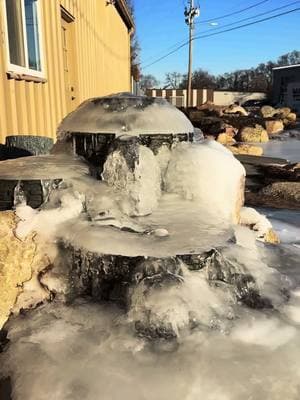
207,174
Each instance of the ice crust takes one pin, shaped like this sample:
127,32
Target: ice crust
124,113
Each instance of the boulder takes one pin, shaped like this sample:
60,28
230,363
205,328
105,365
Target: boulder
259,224
290,120
277,194
20,263
246,149
209,108
210,125
267,111
235,109
291,117
255,134
274,126
283,112
224,138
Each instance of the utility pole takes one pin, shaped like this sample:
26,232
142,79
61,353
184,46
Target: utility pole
190,14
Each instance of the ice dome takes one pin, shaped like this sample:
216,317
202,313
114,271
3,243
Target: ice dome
125,113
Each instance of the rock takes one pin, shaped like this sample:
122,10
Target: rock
210,125
211,109
223,138
290,120
292,117
246,149
259,224
274,126
283,191
267,111
230,130
235,109
134,172
277,194
256,135
271,237
283,112
20,262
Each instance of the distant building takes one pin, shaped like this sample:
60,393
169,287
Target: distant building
178,97
286,86
54,54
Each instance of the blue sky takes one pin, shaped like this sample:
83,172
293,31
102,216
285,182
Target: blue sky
160,25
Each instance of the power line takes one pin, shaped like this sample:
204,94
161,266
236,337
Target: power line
233,13
253,16
222,27
220,32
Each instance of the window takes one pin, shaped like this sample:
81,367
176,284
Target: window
23,34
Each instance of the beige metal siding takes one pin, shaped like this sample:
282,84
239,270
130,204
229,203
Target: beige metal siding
103,66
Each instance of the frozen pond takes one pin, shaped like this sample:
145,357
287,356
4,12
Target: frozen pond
288,149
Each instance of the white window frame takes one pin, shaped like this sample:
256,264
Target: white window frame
18,69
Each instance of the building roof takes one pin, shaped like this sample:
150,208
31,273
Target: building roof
288,66
125,14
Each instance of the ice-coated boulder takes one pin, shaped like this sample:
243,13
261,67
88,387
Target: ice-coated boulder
208,174
134,172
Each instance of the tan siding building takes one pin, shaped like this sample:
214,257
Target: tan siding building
54,54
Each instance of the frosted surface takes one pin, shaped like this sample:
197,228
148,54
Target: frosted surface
190,231
89,351
43,167
124,113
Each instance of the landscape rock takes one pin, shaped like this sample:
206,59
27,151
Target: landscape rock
274,126
224,138
277,194
235,109
246,149
267,111
255,135
20,263
210,107
291,117
283,112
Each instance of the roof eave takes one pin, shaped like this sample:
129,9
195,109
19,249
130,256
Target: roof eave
124,12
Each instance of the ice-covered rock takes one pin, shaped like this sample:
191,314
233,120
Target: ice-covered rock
136,178
259,224
209,175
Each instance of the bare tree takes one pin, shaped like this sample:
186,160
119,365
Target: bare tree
148,82
173,80
200,79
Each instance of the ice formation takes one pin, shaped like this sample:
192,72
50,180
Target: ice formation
126,114
209,175
138,188
159,232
